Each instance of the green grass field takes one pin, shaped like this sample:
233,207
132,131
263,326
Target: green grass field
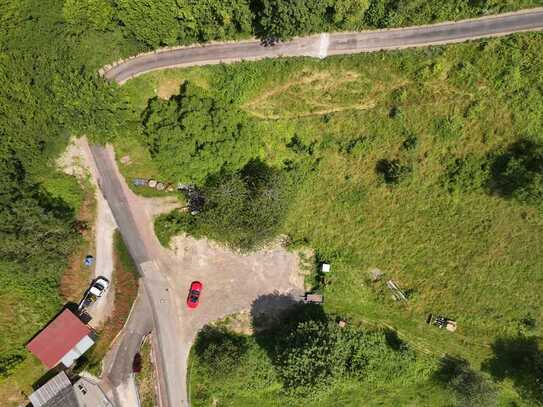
397,154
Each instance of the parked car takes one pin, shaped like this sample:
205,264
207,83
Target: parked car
99,286
195,290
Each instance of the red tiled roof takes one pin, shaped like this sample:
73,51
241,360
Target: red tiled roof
61,335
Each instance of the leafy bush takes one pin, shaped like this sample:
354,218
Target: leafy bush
392,171
316,352
469,387
194,135
242,210
219,350
168,22
90,14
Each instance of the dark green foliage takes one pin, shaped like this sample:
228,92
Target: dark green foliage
194,135
520,359
395,13
168,22
242,210
300,355
518,173
467,174
286,18
309,349
219,350
470,387
47,94
315,353
90,14
392,171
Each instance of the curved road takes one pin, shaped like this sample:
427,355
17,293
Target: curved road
323,45
158,304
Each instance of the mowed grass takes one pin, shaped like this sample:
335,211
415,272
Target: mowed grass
465,253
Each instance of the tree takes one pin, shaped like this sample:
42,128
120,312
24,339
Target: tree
288,18
317,352
89,14
169,22
470,388
242,210
195,135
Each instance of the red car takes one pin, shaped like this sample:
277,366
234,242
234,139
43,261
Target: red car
194,294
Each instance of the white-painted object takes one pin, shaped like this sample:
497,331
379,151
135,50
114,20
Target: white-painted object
325,268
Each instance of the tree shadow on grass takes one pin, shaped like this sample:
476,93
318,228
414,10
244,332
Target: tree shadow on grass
275,317
276,312
469,387
517,172
219,350
520,359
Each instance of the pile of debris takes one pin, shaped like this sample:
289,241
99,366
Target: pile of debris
397,292
153,183
195,199
441,322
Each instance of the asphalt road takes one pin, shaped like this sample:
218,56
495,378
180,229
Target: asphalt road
160,302
323,45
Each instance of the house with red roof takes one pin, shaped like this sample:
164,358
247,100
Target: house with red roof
64,340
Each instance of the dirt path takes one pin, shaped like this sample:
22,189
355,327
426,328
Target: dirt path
77,160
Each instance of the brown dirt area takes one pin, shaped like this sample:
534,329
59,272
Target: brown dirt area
75,279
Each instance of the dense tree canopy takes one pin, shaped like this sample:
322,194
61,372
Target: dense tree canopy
317,352
242,210
194,135
48,92
169,22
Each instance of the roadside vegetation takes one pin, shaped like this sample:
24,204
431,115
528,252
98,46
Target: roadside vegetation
146,378
49,91
243,210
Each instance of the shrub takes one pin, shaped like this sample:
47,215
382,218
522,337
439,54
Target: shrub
219,350
392,171
242,210
195,134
